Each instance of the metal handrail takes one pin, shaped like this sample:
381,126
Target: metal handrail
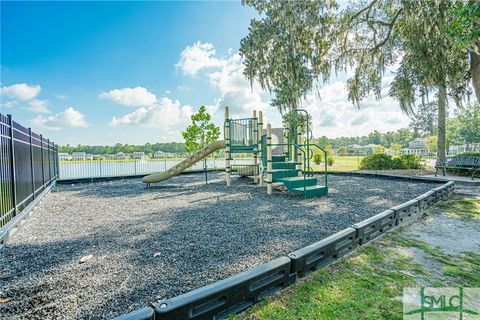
308,130
325,158
303,171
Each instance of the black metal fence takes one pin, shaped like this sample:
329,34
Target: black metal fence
28,165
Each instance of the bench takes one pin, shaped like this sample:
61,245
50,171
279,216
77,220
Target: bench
471,163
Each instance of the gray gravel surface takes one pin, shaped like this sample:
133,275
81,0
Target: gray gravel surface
156,243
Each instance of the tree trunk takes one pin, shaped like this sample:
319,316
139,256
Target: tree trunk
475,72
442,104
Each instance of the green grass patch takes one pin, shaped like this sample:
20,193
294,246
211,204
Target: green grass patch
461,207
368,285
462,269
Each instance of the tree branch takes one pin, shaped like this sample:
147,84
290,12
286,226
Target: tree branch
392,24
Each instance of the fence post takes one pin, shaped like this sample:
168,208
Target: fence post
269,159
49,156
12,162
57,161
227,147
255,147
43,167
31,162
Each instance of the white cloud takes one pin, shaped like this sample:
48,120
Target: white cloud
10,104
334,116
69,118
197,57
61,96
21,91
166,114
137,96
39,106
359,120
183,88
238,94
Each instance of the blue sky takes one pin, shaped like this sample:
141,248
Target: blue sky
133,72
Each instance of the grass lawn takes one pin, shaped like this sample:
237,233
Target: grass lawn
341,164
369,283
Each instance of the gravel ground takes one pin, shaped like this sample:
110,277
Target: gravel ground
156,243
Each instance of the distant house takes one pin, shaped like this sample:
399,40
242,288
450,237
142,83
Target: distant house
120,155
89,156
419,143
457,149
417,147
79,155
363,150
138,155
390,152
161,154
62,156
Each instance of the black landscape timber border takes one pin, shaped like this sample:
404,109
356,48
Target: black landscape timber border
235,294
375,226
323,252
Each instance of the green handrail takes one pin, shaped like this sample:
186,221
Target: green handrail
303,171
307,141
325,157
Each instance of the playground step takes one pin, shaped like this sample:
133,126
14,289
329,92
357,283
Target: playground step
282,173
311,191
284,165
278,158
297,182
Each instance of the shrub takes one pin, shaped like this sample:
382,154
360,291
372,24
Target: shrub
409,161
379,161
330,160
385,162
379,149
317,157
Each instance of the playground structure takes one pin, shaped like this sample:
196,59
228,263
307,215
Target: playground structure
280,155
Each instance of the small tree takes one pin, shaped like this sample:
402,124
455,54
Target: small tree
317,157
330,160
329,150
201,132
379,149
342,151
395,147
